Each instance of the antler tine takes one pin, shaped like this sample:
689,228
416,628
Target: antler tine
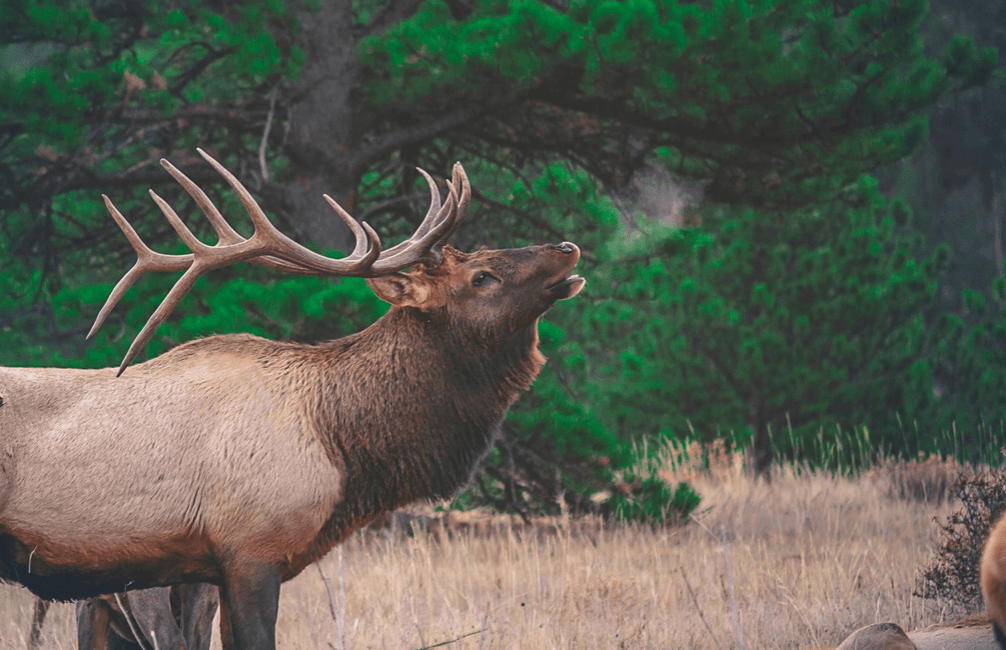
430,247
416,250
354,225
224,231
227,234
433,216
196,246
162,312
146,260
434,212
267,239
461,185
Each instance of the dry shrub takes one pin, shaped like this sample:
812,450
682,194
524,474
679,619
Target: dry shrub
481,522
716,461
927,480
953,574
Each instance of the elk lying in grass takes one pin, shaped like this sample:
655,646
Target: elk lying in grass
993,579
179,617
969,634
238,461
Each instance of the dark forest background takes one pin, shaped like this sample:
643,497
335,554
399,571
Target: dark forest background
791,211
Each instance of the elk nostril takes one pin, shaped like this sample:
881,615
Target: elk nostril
565,247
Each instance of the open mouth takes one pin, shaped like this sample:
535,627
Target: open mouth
568,287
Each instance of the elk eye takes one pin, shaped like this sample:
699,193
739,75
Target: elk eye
481,278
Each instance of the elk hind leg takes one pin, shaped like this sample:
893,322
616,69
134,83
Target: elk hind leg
37,619
94,631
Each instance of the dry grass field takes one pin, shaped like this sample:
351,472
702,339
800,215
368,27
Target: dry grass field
798,563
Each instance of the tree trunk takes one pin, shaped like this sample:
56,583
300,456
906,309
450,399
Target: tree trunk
761,447
321,138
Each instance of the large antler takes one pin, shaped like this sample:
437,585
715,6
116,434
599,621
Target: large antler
272,249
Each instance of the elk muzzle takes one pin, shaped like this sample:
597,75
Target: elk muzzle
570,285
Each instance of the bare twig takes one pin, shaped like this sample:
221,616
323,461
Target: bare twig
390,14
338,611
534,219
265,136
695,601
454,640
733,598
127,614
331,592
342,601
384,143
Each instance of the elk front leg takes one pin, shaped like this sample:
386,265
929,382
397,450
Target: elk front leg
198,607
249,599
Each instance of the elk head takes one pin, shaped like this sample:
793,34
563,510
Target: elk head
490,294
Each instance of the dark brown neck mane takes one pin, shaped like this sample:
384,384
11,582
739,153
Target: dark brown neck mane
427,402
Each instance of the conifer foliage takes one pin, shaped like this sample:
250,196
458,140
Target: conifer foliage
795,301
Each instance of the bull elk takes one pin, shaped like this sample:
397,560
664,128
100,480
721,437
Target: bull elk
239,461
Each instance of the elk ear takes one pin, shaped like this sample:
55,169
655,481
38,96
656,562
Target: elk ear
401,290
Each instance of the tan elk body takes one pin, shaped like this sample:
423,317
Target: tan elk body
238,461
211,416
